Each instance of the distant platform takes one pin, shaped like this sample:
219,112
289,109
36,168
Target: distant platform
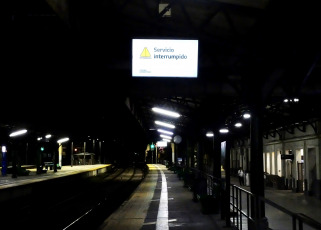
91,170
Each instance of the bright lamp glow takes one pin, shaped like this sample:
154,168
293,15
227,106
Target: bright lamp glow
48,136
164,131
167,137
225,130
4,149
238,124
166,112
210,134
165,124
17,133
167,140
246,115
161,143
62,140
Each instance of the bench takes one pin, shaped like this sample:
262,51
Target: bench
48,164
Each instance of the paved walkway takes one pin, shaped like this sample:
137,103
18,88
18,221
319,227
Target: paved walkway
161,202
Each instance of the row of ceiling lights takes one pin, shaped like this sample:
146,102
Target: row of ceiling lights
166,135
24,131
226,130
172,114
247,115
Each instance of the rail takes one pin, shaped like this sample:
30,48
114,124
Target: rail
244,203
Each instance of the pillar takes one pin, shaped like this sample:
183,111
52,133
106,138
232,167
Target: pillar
257,175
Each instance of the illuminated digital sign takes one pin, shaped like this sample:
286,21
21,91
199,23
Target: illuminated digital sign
164,58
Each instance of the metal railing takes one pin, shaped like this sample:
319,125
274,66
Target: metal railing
245,204
211,182
246,208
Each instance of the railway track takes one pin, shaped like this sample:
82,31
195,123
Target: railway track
83,204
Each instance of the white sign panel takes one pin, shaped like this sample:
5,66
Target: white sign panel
161,144
164,58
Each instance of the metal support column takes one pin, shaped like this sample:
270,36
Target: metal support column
257,176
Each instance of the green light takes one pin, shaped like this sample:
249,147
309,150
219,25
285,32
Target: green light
42,148
152,146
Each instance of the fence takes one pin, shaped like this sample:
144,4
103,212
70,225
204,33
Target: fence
244,205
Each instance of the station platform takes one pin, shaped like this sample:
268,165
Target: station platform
161,202
8,182
21,186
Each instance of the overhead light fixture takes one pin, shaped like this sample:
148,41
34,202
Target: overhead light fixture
62,140
165,124
167,140
210,134
247,115
48,136
161,143
224,130
165,136
238,125
17,133
166,112
296,99
164,131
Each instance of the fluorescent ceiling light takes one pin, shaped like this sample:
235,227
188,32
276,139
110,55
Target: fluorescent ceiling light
224,130
161,143
210,134
164,131
238,124
166,112
164,139
48,136
17,133
62,140
246,115
167,137
165,124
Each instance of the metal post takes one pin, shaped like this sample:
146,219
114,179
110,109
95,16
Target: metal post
27,152
84,152
217,158
72,154
227,182
14,164
94,152
100,157
257,176
55,157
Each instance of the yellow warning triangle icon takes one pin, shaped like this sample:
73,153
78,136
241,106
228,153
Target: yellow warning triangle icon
145,53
